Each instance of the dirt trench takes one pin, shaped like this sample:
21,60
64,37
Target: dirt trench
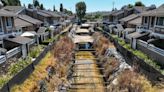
86,75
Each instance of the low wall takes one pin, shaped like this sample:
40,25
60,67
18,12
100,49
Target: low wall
152,74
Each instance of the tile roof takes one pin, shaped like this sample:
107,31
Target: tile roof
118,12
136,21
20,40
62,14
130,17
39,12
54,14
21,23
6,13
156,12
30,19
14,9
41,30
140,8
43,14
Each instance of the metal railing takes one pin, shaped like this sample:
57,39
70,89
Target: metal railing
13,52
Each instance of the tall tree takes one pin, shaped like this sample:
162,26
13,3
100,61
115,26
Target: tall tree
30,6
11,2
4,2
67,11
41,7
36,3
81,10
61,7
130,6
54,9
139,3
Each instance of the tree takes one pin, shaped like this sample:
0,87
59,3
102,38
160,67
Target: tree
54,9
139,3
97,16
67,11
36,3
81,10
4,2
24,5
61,7
30,6
11,2
130,6
41,7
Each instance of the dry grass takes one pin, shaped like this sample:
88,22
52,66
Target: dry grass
63,54
39,74
58,59
101,43
109,64
130,81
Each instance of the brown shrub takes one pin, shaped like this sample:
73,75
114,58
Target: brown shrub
134,82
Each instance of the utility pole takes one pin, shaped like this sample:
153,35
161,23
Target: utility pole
113,4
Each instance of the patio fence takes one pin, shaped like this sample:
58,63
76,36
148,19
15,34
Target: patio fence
153,52
9,54
13,52
151,47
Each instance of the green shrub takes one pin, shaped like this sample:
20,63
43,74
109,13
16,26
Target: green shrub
3,80
35,51
14,69
18,66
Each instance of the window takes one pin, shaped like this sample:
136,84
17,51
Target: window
160,21
0,25
8,22
152,21
145,20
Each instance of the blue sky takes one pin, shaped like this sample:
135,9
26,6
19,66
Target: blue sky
92,5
